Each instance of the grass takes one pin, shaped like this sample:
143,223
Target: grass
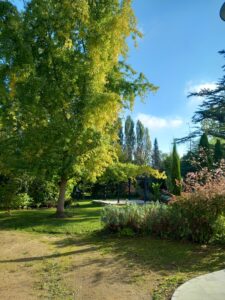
165,263
83,219
51,283
172,262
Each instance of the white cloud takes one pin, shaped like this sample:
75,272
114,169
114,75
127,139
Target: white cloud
191,87
153,122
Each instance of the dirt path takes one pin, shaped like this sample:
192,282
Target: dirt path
54,267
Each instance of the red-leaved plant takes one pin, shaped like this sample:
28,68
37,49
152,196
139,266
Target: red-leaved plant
201,203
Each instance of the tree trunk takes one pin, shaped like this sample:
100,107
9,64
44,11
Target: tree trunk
61,199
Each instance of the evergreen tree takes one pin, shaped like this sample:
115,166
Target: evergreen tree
218,151
211,111
156,160
205,158
175,172
187,163
166,167
204,142
129,139
139,151
147,147
120,133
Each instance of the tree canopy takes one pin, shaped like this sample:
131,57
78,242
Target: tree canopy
63,83
121,172
211,111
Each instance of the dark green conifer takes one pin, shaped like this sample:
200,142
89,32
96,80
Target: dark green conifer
218,151
175,172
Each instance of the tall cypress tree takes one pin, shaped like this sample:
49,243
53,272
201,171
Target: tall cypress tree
129,139
156,160
139,151
175,172
147,147
120,133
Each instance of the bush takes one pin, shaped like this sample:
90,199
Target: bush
219,230
147,218
156,191
44,193
10,200
197,215
22,201
193,218
9,188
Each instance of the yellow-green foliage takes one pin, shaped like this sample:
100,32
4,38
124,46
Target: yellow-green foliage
121,172
62,84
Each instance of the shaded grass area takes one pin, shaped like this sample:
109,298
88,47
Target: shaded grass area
170,263
166,263
82,219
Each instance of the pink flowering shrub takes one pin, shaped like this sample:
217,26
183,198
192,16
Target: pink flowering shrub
202,203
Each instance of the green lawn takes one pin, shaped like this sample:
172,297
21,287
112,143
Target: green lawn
82,219
171,262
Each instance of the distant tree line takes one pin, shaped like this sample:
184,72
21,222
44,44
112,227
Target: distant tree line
136,145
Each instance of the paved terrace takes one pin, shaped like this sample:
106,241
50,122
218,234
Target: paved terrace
206,287
121,202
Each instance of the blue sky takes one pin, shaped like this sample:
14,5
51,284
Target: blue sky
179,53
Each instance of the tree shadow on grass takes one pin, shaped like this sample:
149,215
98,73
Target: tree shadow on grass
145,253
155,254
29,222
55,255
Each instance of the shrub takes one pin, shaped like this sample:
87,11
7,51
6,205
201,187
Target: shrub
22,200
195,216
9,188
44,193
156,191
147,218
157,219
219,230
192,217
198,209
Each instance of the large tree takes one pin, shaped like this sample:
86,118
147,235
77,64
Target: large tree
62,86
211,111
